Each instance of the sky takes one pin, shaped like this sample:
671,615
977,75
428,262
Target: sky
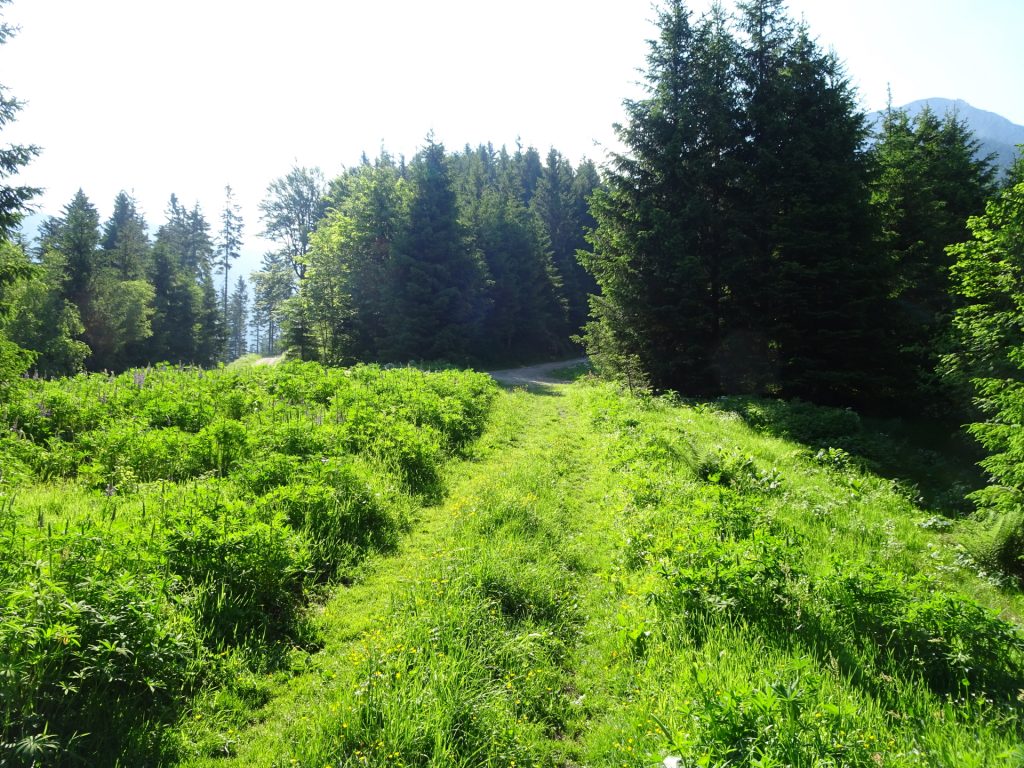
187,96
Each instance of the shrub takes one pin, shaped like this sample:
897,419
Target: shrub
347,514
247,575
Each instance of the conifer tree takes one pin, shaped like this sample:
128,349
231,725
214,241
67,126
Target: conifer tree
816,287
14,200
525,313
177,301
438,281
666,241
125,243
351,259
929,182
229,241
272,285
560,203
76,236
733,244
238,320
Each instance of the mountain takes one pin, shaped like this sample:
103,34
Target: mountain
997,134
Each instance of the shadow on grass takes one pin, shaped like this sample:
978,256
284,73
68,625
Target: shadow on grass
937,461
533,387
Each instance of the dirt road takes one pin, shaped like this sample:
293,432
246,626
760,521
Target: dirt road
535,374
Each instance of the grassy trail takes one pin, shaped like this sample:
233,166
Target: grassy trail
613,582
534,440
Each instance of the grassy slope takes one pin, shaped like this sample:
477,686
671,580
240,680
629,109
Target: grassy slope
610,582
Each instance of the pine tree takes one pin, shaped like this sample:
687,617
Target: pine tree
929,182
229,241
667,241
238,320
560,203
816,288
438,281
272,285
177,301
76,236
184,329
14,200
525,312
125,243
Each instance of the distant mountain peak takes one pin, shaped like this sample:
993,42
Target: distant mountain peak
997,135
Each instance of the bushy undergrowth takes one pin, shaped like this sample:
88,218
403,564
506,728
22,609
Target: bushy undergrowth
782,606
627,581
159,526
934,460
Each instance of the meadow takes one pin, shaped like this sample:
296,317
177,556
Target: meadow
317,567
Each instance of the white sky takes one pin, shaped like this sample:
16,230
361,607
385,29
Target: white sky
186,96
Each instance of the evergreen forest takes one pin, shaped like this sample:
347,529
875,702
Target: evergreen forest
759,502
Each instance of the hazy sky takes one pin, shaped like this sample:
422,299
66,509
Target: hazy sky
186,96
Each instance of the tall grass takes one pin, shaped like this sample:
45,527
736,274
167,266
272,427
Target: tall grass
163,532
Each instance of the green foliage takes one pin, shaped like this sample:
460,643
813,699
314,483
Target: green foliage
750,629
625,580
188,519
438,280
989,338
928,182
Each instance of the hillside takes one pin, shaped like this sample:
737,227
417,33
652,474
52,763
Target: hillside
598,580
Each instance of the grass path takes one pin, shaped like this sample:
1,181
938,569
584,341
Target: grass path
527,430
611,582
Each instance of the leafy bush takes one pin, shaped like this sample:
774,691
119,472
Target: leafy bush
80,649
341,518
201,507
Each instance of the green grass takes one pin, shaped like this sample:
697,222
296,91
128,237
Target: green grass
596,580
166,535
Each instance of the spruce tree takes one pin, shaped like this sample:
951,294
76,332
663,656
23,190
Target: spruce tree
814,287
76,236
272,285
929,182
14,200
667,240
229,241
238,320
177,303
125,242
559,203
525,312
438,281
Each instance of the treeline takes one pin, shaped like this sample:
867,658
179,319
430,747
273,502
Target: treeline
753,238
467,257
109,297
